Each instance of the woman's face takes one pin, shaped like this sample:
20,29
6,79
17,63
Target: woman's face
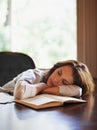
61,76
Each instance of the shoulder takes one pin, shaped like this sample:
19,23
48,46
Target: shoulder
31,75
38,72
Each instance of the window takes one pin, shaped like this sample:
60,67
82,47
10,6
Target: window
44,29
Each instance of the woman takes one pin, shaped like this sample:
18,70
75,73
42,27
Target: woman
67,78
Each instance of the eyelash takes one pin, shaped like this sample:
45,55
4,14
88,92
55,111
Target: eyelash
59,72
63,81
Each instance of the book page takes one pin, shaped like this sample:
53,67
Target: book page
64,98
39,100
48,100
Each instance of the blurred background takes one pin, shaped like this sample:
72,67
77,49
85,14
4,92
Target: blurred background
46,30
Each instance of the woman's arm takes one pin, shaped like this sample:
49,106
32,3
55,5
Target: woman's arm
28,84
23,89
65,90
51,90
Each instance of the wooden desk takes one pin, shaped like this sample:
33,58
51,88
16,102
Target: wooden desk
70,117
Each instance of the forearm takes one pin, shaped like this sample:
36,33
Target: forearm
70,90
23,89
40,87
65,90
53,90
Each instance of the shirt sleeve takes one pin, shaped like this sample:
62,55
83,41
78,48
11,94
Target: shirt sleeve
70,90
27,75
31,76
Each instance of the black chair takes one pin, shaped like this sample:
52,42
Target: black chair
12,64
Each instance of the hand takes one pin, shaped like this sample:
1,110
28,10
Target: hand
53,90
40,87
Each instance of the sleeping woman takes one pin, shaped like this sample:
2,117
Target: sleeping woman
67,78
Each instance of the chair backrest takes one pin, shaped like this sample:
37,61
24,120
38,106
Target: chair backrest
12,64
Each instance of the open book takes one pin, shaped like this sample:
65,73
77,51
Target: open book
48,100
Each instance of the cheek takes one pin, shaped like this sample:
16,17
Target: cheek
51,77
48,82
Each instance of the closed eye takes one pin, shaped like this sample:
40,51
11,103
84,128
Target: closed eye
60,72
